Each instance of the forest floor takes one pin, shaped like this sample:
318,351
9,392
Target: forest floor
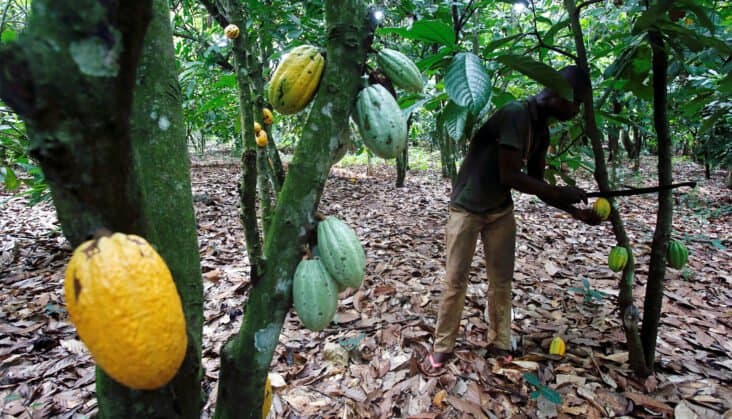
366,363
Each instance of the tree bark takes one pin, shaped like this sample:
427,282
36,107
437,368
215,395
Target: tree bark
77,103
627,309
246,357
662,234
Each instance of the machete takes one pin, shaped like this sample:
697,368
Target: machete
639,191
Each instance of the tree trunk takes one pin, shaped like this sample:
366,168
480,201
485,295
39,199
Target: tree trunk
236,14
628,311
662,234
403,161
246,357
77,105
402,166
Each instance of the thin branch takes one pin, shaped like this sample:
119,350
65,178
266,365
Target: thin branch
587,3
541,41
210,5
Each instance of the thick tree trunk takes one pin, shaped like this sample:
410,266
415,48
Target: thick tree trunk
246,358
662,234
628,311
77,103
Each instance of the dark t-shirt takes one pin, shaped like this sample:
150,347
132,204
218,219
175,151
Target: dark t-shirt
478,187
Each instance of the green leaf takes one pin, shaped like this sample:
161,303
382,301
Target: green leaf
467,83
701,14
652,16
454,120
532,379
725,86
551,395
695,41
709,122
11,181
431,31
539,72
534,394
549,35
436,60
494,45
8,36
227,80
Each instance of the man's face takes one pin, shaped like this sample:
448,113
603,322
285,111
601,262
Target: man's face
563,109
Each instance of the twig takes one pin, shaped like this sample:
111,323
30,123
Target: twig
541,41
587,3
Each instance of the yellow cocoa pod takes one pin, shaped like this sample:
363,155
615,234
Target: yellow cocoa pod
602,208
257,127
121,297
296,79
557,346
231,31
267,117
267,398
262,138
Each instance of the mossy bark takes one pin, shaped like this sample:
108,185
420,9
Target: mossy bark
76,97
246,358
627,309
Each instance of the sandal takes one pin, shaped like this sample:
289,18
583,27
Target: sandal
502,355
430,367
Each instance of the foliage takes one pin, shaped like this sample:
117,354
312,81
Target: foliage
589,295
542,390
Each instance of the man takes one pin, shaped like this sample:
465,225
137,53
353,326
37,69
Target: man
516,136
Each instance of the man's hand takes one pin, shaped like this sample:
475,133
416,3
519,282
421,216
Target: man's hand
569,195
587,216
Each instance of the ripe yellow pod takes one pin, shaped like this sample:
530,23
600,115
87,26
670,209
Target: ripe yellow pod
257,127
262,138
231,31
296,79
602,208
267,116
121,297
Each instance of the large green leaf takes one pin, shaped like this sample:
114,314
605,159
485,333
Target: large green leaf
538,71
432,31
467,82
695,41
454,119
494,45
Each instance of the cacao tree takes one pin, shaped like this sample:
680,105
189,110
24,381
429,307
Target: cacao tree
102,149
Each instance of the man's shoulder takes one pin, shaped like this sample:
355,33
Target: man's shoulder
512,107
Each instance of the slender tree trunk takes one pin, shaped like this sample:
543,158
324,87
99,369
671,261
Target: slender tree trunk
662,234
77,103
628,311
235,13
402,166
246,357
403,161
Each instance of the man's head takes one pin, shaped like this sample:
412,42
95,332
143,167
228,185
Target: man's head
558,107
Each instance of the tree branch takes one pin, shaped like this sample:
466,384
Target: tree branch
587,3
210,5
541,41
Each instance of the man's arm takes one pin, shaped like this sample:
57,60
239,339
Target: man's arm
561,197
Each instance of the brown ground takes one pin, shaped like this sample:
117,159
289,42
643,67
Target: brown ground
365,365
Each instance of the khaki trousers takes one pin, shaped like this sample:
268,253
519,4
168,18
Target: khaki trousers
498,234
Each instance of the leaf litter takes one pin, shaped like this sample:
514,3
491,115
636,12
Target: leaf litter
366,364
